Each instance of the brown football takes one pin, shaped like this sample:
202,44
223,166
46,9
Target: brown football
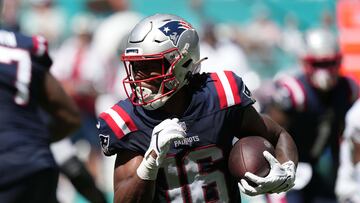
247,156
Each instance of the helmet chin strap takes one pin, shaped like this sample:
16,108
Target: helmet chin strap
147,95
144,93
156,104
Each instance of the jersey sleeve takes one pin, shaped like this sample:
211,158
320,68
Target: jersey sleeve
289,94
40,54
230,90
354,90
118,131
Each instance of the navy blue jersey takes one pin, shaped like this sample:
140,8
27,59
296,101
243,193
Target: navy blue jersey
317,119
195,169
24,140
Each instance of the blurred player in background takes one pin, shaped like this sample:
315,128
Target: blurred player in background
109,39
172,137
312,107
29,172
348,180
76,67
79,76
44,17
66,156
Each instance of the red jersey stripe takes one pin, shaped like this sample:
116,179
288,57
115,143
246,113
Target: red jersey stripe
125,116
234,86
112,124
220,90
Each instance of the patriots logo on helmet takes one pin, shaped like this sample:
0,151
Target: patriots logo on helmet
174,29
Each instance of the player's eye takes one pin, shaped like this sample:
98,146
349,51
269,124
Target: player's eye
148,66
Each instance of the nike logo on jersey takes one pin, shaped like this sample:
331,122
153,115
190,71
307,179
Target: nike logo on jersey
98,125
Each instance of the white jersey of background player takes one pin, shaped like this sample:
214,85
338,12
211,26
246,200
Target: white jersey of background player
348,179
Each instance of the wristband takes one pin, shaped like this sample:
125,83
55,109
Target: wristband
148,169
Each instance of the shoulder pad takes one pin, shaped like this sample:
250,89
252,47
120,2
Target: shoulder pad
230,89
119,121
296,92
354,89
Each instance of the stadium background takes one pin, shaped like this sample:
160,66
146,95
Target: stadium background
308,13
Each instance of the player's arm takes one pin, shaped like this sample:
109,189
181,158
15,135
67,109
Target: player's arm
135,175
285,147
65,114
128,186
282,173
263,125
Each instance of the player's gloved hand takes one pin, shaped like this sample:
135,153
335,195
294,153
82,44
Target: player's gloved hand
280,178
347,187
163,135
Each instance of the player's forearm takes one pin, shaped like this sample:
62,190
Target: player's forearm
128,185
134,189
285,147
63,110
60,128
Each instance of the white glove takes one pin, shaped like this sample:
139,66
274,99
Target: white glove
347,188
162,136
280,178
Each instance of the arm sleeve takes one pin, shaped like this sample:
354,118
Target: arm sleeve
136,141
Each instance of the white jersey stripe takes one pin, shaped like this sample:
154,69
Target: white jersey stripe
296,90
118,120
227,88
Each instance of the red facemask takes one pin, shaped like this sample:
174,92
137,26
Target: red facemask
322,72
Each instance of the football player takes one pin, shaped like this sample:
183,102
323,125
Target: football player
173,135
312,106
28,169
348,180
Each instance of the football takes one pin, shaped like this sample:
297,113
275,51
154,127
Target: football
246,155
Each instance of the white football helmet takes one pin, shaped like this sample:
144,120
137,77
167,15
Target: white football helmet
322,58
169,42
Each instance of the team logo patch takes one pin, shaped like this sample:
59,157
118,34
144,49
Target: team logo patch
247,92
104,142
174,29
